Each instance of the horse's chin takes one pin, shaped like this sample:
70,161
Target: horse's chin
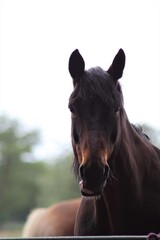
87,192
94,194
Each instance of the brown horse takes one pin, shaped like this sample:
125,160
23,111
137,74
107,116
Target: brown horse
56,220
117,166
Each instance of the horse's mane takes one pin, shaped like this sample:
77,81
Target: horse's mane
137,152
139,155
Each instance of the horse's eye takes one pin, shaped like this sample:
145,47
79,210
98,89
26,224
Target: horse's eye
71,108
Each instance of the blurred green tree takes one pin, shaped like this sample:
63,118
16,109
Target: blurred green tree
58,183
16,185
24,182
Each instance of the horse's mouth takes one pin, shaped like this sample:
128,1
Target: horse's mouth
87,192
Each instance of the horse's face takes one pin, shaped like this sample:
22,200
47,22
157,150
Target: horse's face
94,130
94,104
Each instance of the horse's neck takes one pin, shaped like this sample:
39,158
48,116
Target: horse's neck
119,202
127,165
131,168
135,175
119,194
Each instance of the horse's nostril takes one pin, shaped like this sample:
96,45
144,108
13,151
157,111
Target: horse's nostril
81,171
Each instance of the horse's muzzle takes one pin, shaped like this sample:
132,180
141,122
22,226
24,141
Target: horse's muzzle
93,179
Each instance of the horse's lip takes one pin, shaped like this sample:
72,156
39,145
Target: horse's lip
87,192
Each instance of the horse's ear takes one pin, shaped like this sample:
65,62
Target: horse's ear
117,66
76,65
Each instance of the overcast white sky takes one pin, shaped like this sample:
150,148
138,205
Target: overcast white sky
36,40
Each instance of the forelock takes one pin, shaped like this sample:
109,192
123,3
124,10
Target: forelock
98,83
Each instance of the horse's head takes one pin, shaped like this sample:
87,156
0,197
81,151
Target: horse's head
95,105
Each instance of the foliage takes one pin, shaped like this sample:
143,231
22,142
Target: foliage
16,187
25,184
58,183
